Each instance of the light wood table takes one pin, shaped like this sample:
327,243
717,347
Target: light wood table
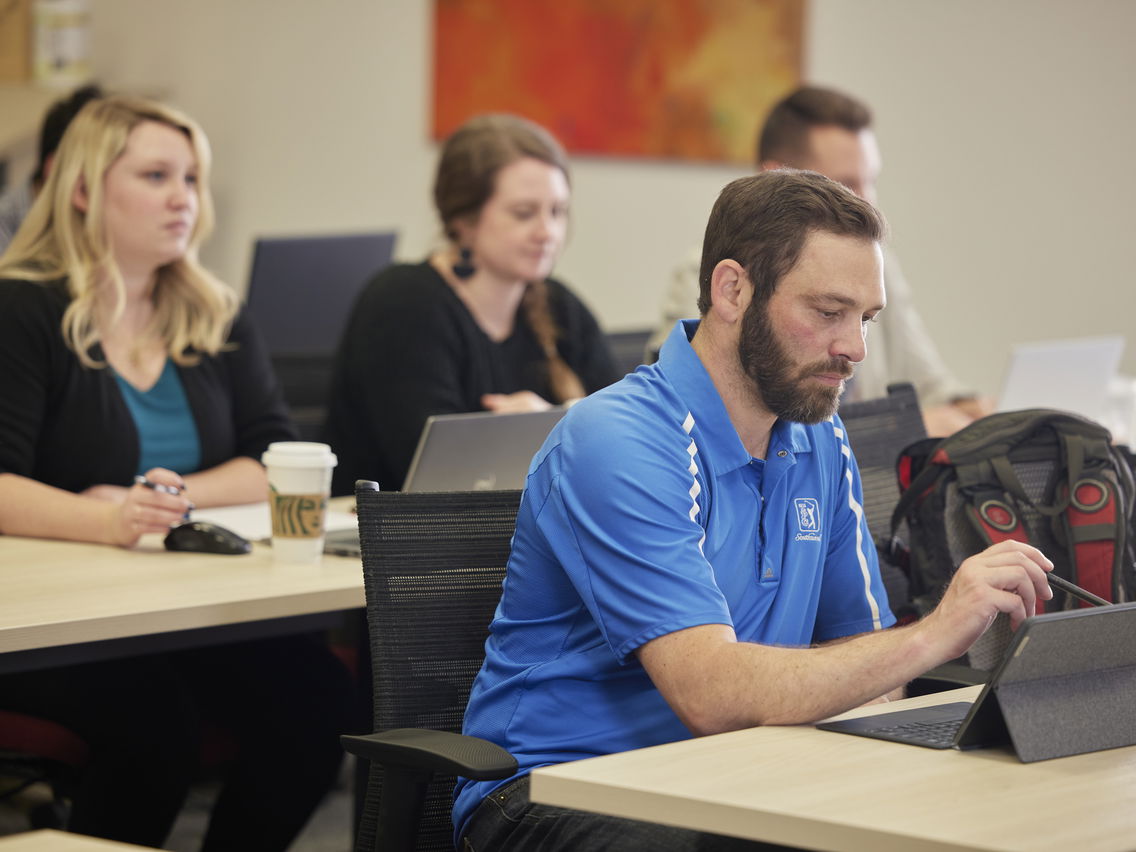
830,791
65,602
61,841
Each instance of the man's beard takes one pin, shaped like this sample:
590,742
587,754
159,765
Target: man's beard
779,384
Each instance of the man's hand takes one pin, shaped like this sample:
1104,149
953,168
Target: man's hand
943,420
1007,577
975,407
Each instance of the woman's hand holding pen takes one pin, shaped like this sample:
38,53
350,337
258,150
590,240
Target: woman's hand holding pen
510,403
153,504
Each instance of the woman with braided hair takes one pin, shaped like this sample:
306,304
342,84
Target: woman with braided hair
478,325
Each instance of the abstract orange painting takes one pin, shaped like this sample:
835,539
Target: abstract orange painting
687,79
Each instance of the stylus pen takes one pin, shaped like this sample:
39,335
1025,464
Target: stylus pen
1075,590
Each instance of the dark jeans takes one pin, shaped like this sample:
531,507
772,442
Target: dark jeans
506,821
283,702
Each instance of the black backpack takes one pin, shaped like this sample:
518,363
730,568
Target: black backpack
1046,477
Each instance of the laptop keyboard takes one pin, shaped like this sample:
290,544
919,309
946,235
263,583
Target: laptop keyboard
930,727
935,734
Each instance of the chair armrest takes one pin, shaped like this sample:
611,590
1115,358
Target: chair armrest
442,752
946,676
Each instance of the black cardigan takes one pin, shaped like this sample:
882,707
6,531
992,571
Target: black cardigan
67,425
412,349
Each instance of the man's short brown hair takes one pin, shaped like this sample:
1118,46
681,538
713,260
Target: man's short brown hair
785,136
762,221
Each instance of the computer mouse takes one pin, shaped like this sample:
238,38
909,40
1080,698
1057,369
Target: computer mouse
204,537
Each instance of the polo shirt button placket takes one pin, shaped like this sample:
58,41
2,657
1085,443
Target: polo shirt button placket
760,566
760,548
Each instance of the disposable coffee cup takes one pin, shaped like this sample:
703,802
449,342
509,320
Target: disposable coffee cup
299,483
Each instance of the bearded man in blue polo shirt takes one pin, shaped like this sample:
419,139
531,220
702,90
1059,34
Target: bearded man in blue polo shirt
691,555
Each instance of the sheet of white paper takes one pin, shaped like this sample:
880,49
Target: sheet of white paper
254,522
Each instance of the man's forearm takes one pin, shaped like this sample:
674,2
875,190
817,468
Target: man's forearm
717,684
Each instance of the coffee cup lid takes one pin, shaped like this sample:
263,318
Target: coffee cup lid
299,454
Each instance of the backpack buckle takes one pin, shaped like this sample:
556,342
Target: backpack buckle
998,514
1089,495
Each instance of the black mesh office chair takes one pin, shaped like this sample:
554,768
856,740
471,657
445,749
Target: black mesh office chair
432,565
878,429
300,294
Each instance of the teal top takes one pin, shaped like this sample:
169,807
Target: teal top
167,432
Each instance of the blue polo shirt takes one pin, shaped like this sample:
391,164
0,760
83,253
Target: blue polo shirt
643,514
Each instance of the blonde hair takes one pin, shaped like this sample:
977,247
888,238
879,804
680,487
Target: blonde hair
193,309
467,178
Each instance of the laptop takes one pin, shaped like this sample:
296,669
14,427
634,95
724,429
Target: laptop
1070,375
480,451
342,542
301,289
1065,686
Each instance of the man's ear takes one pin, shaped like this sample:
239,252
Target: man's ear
730,291
79,196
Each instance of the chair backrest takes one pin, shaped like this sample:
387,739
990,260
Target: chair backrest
300,294
628,349
878,429
301,289
433,564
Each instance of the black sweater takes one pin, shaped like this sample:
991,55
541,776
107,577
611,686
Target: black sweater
67,425
412,349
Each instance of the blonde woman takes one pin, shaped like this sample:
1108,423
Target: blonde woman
121,356
478,325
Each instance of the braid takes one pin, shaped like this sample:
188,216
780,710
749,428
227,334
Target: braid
565,383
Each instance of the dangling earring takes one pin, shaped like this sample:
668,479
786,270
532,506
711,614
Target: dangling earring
464,268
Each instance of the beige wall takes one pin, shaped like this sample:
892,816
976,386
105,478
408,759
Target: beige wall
1006,126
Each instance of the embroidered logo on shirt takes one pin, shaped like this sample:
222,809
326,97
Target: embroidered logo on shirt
808,518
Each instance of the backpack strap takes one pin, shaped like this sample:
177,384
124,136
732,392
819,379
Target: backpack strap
1083,507
918,468
994,516
1094,518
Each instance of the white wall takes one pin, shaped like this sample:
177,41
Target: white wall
1006,128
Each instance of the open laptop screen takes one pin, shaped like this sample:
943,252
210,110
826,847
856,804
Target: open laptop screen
481,451
1069,375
